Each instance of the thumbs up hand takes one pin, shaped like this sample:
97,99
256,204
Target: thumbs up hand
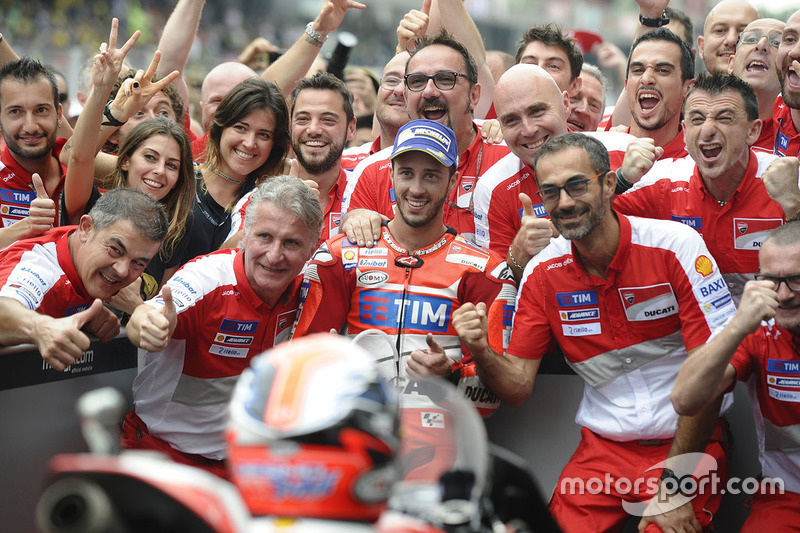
42,211
534,233
157,325
61,341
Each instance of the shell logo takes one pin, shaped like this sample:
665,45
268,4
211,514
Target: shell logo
703,266
349,254
563,315
772,380
220,337
5,210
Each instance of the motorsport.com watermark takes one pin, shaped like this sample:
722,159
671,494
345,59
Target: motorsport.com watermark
694,474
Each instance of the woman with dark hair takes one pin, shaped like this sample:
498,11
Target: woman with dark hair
247,142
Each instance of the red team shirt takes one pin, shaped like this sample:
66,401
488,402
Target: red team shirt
769,361
39,273
733,232
626,335
498,211
787,139
371,184
16,187
182,392
351,157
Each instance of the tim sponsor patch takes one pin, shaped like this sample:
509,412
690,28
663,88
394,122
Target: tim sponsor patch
576,298
749,233
648,303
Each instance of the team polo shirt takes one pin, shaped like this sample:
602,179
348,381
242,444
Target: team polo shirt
182,392
16,187
733,232
199,148
371,184
787,139
626,335
766,139
331,220
674,149
498,211
351,157
769,361
39,273
408,294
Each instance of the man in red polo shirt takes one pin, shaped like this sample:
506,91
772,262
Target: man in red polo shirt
441,84
29,116
725,191
786,112
623,298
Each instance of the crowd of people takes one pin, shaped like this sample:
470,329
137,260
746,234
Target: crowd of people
482,208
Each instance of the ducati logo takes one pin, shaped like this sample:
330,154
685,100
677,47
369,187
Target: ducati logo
742,227
629,297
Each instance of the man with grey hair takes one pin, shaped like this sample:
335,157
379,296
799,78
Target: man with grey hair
52,287
587,105
215,314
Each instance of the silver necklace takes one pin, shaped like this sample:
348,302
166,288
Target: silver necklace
224,176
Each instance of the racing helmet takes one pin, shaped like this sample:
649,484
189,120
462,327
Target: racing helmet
313,432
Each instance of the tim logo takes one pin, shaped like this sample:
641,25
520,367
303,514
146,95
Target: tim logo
576,299
538,210
238,326
695,223
383,309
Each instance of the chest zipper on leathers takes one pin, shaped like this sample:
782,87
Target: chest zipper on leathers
402,318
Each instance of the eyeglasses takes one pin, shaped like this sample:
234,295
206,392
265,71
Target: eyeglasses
792,282
444,80
754,37
63,97
574,188
391,82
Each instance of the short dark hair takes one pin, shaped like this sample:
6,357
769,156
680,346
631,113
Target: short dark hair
598,154
715,84
446,38
144,212
28,70
679,16
551,35
663,34
325,81
250,95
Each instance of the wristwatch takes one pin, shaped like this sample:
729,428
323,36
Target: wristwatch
654,23
674,487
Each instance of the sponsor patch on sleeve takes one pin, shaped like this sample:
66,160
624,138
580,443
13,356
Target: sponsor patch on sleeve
703,265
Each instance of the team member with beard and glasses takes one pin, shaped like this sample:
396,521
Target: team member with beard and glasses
786,111
29,117
754,62
441,84
409,283
660,72
322,121
618,296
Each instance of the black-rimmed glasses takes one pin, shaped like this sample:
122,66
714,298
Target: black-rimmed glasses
444,80
793,281
550,194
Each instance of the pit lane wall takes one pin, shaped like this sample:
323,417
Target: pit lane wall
37,409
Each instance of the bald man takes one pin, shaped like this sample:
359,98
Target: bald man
754,62
218,83
531,109
721,32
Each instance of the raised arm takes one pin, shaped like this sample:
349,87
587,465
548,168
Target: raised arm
176,41
83,144
707,372
294,64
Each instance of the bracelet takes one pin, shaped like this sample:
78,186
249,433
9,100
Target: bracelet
622,184
654,23
111,120
514,261
314,37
